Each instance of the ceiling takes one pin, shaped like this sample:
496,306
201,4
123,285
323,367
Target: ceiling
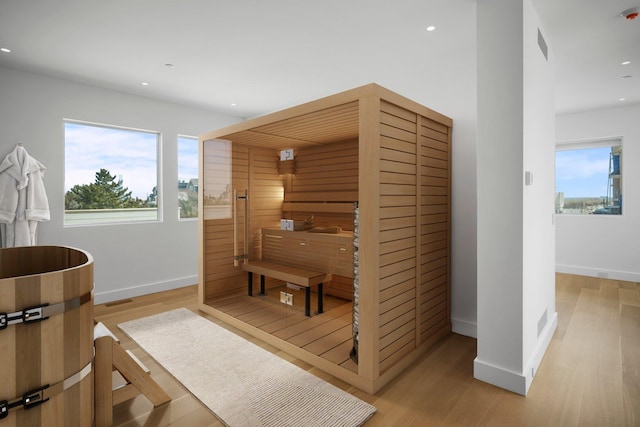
250,57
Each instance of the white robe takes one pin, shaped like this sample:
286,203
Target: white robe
23,200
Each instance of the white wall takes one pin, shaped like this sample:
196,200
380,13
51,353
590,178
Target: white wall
538,275
499,149
604,245
515,231
130,259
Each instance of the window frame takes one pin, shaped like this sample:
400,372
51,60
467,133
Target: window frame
609,142
158,177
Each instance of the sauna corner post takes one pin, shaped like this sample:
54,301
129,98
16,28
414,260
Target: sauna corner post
369,248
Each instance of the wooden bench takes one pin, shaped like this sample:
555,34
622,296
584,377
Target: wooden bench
288,273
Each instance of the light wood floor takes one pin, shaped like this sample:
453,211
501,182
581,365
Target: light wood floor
328,335
590,375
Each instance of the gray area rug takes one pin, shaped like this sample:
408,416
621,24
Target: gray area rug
243,384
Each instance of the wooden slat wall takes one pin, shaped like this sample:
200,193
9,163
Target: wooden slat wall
398,228
265,196
330,253
265,201
220,276
323,126
326,174
434,293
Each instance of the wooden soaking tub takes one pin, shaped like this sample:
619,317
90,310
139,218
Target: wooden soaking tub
46,336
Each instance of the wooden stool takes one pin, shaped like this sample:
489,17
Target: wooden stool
112,361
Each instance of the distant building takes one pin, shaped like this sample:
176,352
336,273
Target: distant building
193,185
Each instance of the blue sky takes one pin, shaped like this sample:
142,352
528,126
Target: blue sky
130,155
187,158
583,172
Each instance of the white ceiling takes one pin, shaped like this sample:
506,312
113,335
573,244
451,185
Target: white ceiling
266,55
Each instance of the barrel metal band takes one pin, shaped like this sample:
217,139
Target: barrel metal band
42,312
40,395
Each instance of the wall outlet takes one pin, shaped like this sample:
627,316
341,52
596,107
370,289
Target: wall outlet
286,298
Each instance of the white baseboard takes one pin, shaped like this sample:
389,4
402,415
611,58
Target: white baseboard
464,327
499,377
514,381
136,291
599,272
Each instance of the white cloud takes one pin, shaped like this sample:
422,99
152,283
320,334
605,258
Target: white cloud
131,155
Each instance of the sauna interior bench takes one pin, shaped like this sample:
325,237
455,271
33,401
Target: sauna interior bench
288,273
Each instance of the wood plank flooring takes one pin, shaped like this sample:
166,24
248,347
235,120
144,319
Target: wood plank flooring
590,375
328,335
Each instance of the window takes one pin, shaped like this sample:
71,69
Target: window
589,177
111,174
187,177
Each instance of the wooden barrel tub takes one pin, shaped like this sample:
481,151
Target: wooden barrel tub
46,337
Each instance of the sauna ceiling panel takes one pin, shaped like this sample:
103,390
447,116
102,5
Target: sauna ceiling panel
333,124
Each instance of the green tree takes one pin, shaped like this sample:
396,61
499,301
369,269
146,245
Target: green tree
104,193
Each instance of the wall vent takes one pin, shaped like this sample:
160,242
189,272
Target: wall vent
542,322
543,45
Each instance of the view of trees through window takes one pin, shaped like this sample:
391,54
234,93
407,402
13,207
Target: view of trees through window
589,178
111,174
187,177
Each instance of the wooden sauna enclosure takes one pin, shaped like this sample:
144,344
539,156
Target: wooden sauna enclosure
366,150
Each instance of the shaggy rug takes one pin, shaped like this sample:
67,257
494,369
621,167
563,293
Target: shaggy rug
243,384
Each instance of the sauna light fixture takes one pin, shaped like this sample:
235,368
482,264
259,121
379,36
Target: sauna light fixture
431,28
286,154
5,50
287,163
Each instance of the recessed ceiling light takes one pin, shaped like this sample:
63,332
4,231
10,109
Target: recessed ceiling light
169,65
628,76
626,63
5,50
621,99
233,104
431,28
144,84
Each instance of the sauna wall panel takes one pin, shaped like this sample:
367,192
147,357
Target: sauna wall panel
266,193
331,253
398,228
434,298
326,174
